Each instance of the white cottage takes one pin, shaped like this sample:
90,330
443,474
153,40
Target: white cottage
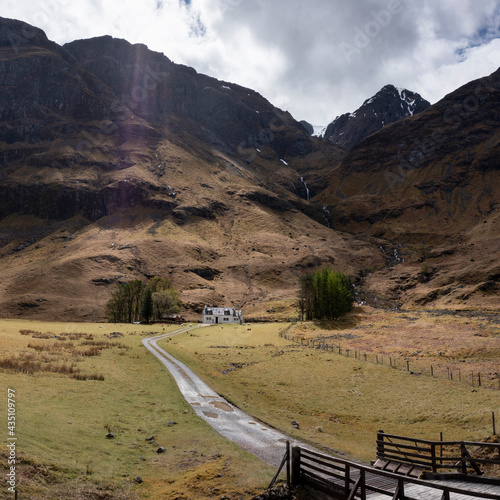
221,315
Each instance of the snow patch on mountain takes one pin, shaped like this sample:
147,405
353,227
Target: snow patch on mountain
388,105
319,130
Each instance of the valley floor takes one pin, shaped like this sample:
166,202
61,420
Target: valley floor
289,375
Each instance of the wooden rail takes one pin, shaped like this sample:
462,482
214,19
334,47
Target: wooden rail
435,456
334,478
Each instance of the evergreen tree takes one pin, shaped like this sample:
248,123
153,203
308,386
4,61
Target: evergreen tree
147,305
327,294
306,297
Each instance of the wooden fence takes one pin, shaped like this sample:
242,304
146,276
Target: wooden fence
437,456
333,478
412,366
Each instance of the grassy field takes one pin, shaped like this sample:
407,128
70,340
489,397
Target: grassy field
74,384
339,402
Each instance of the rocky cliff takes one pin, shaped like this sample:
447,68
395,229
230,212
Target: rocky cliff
388,105
117,164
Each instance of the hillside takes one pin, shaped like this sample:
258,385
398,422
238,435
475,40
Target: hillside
123,164
431,184
117,164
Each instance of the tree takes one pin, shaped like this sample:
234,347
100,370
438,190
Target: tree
147,305
327,294
115,308
133,291
123,307
165,303
306,297
134,301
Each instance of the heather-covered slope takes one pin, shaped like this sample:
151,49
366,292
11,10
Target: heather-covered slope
116,164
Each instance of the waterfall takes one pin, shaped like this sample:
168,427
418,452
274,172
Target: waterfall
392,258
308,193
327,212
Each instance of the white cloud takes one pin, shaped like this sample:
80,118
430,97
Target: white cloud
316,59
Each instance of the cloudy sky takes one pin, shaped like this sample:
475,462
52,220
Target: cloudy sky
315,58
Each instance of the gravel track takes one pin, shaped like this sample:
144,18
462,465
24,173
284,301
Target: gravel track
248,433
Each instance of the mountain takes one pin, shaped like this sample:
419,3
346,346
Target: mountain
388,105
118,164
431,183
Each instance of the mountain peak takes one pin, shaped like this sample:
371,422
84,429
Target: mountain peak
388,105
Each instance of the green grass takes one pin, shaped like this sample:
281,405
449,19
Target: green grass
62,423
339,402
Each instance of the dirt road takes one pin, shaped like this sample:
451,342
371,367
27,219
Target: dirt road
251,435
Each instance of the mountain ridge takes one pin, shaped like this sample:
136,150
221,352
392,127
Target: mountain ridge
123,165
118,164
388,105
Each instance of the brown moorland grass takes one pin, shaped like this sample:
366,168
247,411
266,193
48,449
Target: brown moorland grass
339,402
62,423
463,346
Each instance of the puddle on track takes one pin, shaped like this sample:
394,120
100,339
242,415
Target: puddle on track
221,405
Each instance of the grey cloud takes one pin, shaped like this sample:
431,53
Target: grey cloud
316,58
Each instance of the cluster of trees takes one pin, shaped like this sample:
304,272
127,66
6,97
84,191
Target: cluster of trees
139,301
326,294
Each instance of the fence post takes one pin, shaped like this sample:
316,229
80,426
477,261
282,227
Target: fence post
363,484
433,458
295,466
400,490
347,480
288,464
380,444
463,454
441,449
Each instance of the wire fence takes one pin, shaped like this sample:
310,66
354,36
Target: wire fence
410,365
